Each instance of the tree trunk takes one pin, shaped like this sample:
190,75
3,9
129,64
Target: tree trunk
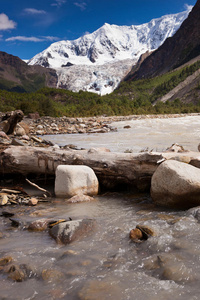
114,170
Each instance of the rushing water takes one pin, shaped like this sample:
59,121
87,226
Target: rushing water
106,264
156,134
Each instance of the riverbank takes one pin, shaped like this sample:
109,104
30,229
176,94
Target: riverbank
99,124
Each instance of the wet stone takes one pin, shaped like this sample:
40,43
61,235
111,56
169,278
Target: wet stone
135,235
68,253
17,222
95,290
70,231
151,263
17,273
5,260
147,231
50,275
178,272
80,198
38,225
140,233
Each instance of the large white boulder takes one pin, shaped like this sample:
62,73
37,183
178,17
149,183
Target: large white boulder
176,184
75,180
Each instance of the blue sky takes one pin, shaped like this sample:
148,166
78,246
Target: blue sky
27,27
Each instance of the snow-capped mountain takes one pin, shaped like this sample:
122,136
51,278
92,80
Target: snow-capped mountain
94,62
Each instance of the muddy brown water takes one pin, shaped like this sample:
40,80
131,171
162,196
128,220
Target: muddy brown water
106,264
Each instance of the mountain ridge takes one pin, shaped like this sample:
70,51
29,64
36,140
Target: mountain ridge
17,76
175,51
109,44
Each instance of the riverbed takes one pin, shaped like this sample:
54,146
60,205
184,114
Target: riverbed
107,264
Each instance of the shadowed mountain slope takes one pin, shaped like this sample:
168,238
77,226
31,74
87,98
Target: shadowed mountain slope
175,51
17,76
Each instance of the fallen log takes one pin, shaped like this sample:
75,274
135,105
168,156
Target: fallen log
114,170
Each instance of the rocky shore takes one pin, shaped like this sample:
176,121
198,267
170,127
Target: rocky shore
100,124
28,130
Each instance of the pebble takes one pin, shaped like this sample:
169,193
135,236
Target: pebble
5,260
33,202
50,275
3,199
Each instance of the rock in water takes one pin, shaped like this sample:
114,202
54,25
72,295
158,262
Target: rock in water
69,231
176,184
75,180
80,198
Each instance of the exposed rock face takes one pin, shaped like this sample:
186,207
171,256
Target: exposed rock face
175,51
19,77
74,180
176,184
69,231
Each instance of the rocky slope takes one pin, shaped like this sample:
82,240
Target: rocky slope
16,75
175,51
98,61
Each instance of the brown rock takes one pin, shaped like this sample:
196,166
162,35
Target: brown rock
19,131
33,202
96,290
39,225
50,275
25,127
3,199
5,260
141,233
3,135
80,198
178,272
135,234
34,116
146,230
16,274
176,148
70,231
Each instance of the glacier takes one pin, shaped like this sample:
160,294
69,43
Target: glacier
98,61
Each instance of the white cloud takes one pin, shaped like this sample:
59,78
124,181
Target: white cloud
81,5
33,11
58,3
5,23
32,39
188,7
51,38
24,39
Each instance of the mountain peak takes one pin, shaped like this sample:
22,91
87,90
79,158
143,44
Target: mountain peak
183,46
107,45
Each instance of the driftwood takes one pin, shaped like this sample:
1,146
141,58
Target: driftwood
38,187
114,170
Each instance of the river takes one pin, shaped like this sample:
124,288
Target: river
156,134
106,264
